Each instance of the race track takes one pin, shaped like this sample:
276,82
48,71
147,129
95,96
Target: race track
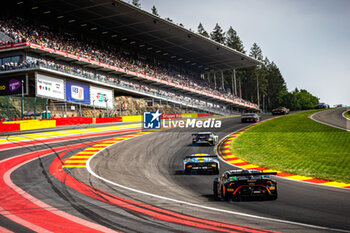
333,117
153,164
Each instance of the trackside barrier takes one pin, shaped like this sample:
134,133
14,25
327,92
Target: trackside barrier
132,118
108,120
49,123
9,127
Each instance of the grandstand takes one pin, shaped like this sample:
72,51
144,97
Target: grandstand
107,49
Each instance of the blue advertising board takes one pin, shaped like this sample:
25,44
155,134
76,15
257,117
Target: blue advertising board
77,92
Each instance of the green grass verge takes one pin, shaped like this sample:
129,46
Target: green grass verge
298,145
347,114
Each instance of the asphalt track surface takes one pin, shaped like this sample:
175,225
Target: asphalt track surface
153,164
333,117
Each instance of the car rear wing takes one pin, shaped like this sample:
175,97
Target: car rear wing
201,156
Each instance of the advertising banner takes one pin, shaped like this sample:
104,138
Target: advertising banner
48,86
77,92
13,85
101,97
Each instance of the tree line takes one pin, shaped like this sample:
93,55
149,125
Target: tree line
262,84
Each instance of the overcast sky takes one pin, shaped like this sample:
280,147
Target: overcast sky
309,40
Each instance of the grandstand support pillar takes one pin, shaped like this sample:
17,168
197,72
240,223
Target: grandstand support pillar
34,107
65,108
80,112
93,105
222,80
22,100
215,79
8,107
234,83
257,90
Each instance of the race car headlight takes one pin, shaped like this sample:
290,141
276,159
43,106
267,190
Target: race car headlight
272,188
230,190
189,165
210,139
213,165
194,140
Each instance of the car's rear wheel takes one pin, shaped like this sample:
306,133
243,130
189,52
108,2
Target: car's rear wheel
273,197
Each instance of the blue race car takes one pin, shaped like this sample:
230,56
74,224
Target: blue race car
201,163
321,105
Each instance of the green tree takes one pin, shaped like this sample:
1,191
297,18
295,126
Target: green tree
218,35
170,20
154,10
275,85
202,31
255,52
232,40
136,3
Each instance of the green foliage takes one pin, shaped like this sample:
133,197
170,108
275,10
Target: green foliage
154,11
202,31
232,40
297,100
217,34
136,3
298,145
255,52
170,20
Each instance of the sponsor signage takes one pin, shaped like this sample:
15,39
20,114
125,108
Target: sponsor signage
77,92
13,85
48,86
101,97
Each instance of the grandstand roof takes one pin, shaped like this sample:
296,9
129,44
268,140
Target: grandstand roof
124,22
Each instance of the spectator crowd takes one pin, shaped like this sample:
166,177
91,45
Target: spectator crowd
20,30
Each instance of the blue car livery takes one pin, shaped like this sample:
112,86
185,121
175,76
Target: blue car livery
201,162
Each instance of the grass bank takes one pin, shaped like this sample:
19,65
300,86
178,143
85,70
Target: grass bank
298,145
347,114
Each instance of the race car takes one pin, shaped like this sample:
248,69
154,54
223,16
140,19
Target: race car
244,184
201,163
280,111
250,117
321,105
204,138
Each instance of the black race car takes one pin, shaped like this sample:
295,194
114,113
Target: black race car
250,117
242,184
280,111
206,138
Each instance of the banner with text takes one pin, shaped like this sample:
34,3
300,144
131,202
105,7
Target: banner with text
101,97
77,92
13,85
49,87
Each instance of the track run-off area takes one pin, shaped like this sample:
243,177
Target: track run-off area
129,180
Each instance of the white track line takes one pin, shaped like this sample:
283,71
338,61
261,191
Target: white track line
321,122
197,205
